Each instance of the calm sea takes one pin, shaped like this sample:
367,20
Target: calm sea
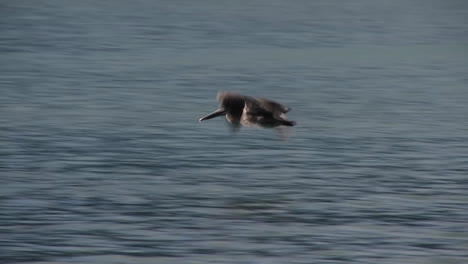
103,160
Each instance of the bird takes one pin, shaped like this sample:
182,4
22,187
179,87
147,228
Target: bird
250,111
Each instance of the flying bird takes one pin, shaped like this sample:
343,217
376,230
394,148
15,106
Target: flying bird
250,111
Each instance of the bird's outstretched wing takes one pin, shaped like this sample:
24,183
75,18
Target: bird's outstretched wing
272,106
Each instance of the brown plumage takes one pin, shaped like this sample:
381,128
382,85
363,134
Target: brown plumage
250,111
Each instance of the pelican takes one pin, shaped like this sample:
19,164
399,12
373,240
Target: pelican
249,111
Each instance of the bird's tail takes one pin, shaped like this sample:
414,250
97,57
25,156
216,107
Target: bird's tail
288,123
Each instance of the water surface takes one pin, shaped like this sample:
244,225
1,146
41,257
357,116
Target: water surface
102,159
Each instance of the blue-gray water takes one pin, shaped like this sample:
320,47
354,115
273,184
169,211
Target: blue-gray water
103,160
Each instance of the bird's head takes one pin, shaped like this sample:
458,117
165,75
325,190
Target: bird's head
229,103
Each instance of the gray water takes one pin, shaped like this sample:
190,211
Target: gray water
103,160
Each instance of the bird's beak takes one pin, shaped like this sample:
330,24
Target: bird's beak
218,112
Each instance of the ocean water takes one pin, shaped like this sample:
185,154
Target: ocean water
103,160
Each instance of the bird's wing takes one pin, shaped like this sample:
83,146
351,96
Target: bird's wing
272,106
254,107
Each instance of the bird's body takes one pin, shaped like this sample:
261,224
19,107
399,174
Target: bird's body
250,111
